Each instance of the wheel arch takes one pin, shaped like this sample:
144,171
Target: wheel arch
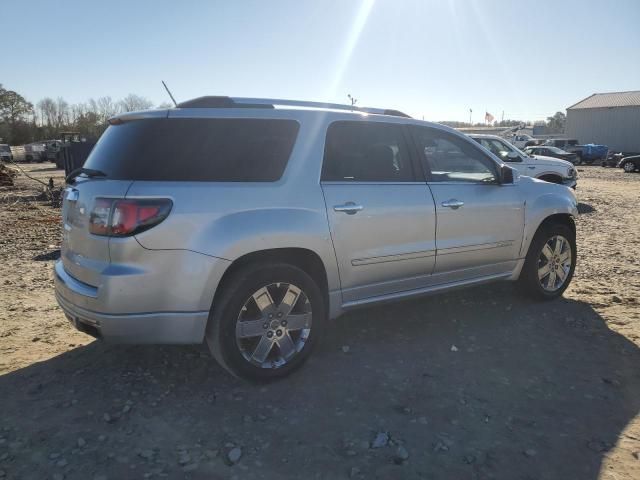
558,218
550,177
545,209
305,259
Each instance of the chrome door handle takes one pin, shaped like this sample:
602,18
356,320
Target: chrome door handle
349,208
453,203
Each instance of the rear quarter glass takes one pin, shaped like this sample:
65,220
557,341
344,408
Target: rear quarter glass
192,150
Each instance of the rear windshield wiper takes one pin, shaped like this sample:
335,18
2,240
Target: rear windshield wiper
89,172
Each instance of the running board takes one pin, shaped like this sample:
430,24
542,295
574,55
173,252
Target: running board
391,297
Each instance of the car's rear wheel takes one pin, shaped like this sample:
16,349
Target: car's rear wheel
629,167
550,262
266,321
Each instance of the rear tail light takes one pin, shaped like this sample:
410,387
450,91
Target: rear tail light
121,218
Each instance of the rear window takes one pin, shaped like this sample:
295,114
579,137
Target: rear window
195,150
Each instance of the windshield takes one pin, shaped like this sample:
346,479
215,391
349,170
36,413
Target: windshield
513,148
500,148
5,148
555,150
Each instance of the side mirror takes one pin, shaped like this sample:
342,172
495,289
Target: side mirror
508,175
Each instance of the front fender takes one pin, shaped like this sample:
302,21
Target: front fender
545,199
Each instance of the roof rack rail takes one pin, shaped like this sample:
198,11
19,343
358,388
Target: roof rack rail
241,102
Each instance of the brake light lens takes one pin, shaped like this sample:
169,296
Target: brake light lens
121,218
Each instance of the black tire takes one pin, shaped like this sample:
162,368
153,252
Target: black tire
237,289
631,168
528,283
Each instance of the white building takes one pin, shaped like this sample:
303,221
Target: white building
611,119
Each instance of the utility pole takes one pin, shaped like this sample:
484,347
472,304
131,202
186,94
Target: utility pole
470,113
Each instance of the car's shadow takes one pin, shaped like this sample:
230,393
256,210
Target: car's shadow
584,208
474,384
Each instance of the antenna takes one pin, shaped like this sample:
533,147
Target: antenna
169,92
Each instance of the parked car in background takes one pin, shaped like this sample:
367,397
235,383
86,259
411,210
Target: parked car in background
523,140
588,153
5,153
35,152
250,227
548,169
552,152
630,164
52,148
563,143
613,159
592,153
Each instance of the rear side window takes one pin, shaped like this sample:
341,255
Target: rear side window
366,152
185,149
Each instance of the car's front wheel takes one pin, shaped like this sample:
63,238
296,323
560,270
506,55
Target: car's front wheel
550,262
629,167
266,321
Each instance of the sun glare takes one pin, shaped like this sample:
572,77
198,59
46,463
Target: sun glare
352,40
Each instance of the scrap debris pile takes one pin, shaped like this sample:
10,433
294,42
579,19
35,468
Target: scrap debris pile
7,174
23,184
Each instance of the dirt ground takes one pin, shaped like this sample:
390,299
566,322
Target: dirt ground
477,384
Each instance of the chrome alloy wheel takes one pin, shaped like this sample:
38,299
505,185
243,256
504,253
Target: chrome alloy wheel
554,263
629,167
273,325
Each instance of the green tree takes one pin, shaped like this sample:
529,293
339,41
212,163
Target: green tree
556,123
13,109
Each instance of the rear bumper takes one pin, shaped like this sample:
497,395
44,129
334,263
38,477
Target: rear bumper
137,328
121,309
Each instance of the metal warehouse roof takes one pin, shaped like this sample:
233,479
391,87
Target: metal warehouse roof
612,99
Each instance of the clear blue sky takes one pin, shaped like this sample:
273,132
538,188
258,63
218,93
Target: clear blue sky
436,58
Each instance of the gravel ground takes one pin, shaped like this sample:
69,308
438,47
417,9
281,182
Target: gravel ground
469,385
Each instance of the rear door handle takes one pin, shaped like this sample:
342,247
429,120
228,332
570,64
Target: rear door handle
452,203
349,208
531,168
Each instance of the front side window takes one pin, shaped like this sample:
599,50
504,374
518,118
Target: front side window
452,159
366,152
556,150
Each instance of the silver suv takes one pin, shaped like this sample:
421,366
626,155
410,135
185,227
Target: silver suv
249,226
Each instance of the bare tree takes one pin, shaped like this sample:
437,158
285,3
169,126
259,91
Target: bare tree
133,102
47,109
106,108
62,113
